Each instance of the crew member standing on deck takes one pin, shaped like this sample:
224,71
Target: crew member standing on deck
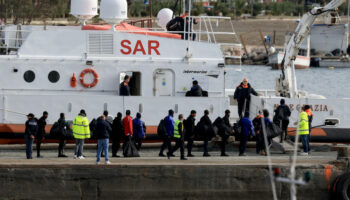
117,134
30,133
310,117
179,137
41,132
190,127
124,89
242,96
169,126
81,131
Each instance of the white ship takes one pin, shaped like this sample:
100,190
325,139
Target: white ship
39,65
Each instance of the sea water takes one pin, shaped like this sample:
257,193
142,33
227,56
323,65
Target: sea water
331,83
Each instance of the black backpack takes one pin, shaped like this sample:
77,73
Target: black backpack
161,130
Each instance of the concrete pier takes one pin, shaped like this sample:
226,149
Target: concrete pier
151,177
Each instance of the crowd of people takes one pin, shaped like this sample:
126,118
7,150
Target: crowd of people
133,131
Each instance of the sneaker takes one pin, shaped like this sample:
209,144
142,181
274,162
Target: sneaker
108,163
75,157
81,157
97,163
304,154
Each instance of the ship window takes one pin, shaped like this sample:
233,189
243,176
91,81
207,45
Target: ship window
54,76
135,82
29,76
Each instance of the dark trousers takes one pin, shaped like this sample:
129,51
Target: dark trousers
179,144
138,142
61,146
223,144
38,145
284,127
243,144
241,107
206,146
166,144
305,142
29,146
259,143
115,146
189,145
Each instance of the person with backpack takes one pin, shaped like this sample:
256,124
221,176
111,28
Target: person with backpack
282,114
205,128
169,128
139,131
247,132
117,134
190,127
63,127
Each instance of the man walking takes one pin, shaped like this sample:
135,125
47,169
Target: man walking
81,131
139,132
30,133
247,132
242,96
102,130
190,127
179,137
282,114
169,126
41,132
117,134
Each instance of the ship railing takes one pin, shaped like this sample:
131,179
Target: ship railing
12,39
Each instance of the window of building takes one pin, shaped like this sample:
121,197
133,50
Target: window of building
29,76
135,82
54,76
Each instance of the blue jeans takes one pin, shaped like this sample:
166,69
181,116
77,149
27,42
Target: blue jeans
305,141
79,147
102,143
29,146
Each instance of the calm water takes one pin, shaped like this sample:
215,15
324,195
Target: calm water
331,83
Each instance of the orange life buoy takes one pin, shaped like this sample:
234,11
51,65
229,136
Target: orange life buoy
73,81
82,75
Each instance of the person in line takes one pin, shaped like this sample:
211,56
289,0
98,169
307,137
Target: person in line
282,114
169,126
207,122
247,132
196,90
267,122
139,132
179,131
117,134
127,125
190,127
41,133
30,132
310,117
124,89
103,128
260,149
224,136
81,131
64,126
109,120
242,96
303,131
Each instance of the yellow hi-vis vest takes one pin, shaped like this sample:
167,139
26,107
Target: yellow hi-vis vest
303,124
176,129
81,129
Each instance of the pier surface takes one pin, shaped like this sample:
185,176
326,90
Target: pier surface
153,177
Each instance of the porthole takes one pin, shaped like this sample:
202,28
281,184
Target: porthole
29,76
54,76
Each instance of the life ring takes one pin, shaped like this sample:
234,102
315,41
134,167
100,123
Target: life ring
87,71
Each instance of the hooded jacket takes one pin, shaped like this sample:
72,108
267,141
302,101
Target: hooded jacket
138,128
103,128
